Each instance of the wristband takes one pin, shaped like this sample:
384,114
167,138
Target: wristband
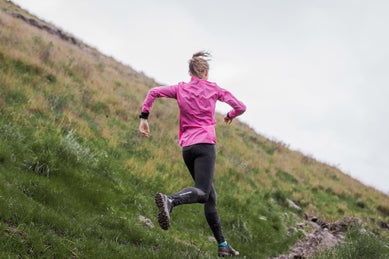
144,115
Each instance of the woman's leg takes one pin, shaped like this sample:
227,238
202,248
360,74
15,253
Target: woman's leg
212,217
200,161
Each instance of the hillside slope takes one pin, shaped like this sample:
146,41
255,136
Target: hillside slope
76,176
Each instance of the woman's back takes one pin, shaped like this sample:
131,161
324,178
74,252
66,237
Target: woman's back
196,101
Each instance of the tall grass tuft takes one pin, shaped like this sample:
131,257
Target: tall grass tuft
358,244
72,150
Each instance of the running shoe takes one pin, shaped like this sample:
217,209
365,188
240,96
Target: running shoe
227,251
165,206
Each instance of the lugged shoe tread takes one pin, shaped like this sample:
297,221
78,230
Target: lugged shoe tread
164,215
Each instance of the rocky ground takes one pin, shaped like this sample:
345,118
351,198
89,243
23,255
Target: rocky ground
324,235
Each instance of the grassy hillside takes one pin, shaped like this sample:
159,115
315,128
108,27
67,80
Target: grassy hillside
75,174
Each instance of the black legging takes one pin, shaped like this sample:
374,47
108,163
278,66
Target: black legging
200,160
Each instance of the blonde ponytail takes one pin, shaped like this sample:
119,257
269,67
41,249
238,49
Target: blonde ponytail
198,64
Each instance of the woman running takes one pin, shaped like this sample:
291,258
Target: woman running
196,101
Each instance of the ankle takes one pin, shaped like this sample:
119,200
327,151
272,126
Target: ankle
223,244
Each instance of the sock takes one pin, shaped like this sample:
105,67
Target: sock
223,244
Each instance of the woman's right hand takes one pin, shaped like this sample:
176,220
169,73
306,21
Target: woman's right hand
144,128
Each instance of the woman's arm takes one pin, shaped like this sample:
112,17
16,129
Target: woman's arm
237,106
156,92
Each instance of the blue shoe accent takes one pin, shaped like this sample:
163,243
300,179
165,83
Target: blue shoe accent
223,244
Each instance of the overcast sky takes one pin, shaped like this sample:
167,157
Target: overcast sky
313,74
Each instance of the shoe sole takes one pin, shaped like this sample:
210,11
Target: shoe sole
164,215
227,255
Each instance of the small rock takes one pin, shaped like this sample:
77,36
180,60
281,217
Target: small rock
147,221
212,239
293,205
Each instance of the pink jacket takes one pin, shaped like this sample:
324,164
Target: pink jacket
196,101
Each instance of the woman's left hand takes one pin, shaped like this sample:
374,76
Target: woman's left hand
227,119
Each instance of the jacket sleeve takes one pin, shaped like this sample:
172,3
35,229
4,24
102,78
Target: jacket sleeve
156,92
237,106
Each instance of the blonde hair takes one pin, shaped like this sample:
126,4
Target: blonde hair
198,64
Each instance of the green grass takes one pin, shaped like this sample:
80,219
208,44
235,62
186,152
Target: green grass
75,174
358,244
64,196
